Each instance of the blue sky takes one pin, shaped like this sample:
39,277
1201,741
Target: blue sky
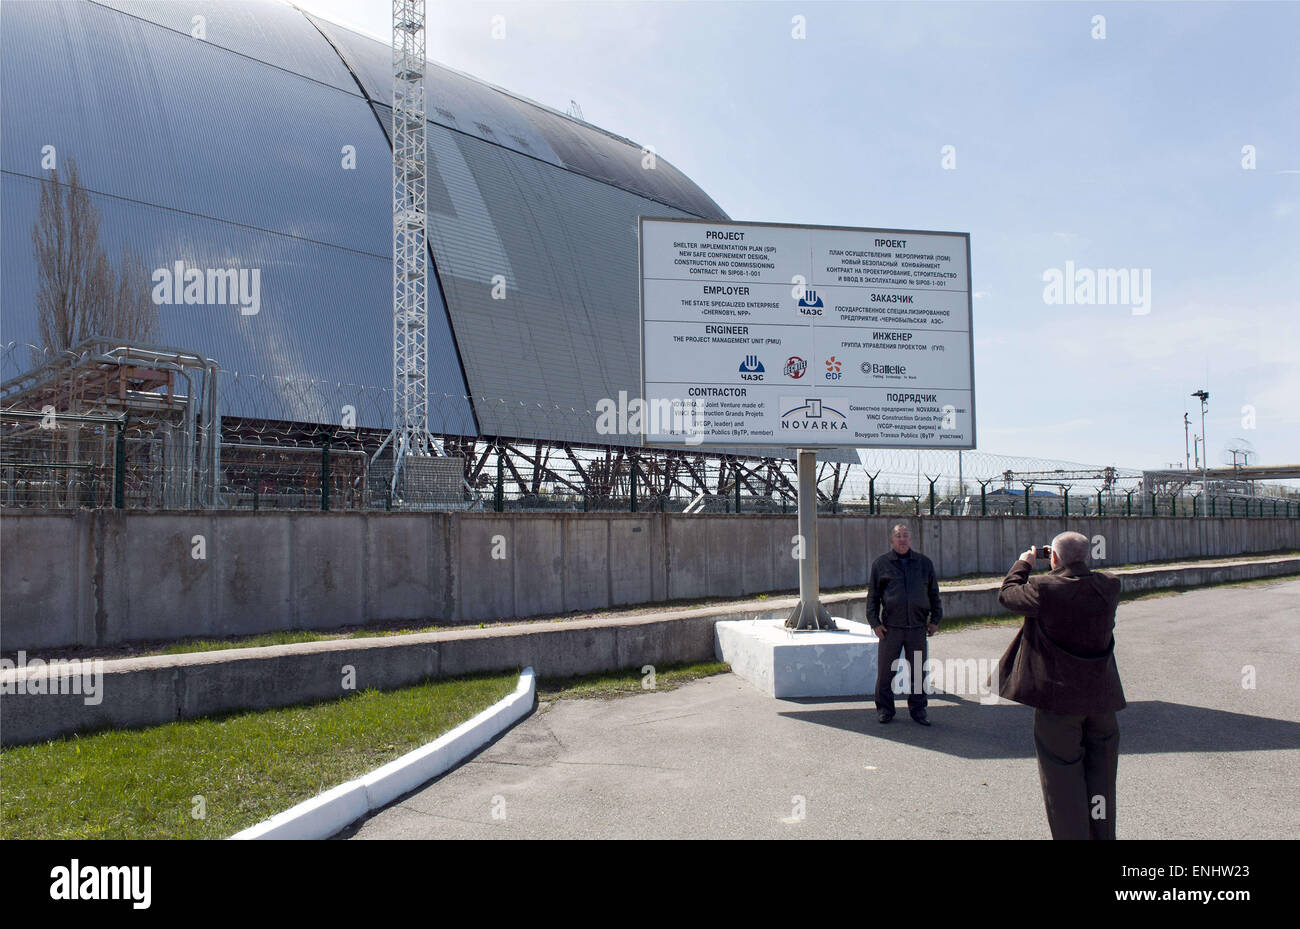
1122,152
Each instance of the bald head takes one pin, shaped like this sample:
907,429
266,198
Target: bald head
1071,547
900,538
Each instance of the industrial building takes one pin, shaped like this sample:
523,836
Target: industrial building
254,136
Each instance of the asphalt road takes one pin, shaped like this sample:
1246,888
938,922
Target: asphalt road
1202,756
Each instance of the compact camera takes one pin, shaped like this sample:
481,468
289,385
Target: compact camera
1043,552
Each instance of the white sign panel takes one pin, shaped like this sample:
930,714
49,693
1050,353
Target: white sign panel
805,336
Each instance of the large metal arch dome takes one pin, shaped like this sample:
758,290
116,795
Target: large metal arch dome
228,151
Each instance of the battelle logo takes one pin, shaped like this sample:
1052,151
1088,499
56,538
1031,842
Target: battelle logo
868,368
795,367
821,414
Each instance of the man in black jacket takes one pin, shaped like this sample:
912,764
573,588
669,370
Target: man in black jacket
1062,663
903,608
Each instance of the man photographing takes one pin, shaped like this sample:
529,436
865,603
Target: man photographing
903,608
1062,663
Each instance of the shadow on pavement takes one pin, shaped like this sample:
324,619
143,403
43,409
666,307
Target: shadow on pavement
968,729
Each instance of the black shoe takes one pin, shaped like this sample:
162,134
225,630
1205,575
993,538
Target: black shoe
920,717
884,716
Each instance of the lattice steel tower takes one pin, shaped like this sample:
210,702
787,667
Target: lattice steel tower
410,435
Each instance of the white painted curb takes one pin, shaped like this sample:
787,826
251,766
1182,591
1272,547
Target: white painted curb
324,815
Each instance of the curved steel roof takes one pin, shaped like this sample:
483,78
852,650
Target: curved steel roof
227,152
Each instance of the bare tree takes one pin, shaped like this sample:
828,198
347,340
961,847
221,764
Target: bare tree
79,294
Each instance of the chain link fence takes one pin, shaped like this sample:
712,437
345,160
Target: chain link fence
116,424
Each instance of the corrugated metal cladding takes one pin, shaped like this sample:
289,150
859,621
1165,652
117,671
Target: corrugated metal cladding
227,152
567,332
460,102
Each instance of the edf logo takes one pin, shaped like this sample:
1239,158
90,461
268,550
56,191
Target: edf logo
833,369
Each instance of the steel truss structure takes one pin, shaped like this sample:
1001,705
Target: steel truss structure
529,468
1107,476
410,435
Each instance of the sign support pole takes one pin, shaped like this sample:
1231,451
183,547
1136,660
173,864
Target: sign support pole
809,613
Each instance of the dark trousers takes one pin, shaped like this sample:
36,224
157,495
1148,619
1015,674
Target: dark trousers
908,642
1078,757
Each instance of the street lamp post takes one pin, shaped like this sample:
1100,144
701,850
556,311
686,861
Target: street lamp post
1204,397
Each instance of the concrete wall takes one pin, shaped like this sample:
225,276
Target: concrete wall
106,577
136,692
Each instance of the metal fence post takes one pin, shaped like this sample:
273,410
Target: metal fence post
1153,504
1128,503
1027,499
1065,503
499,494
932,480
1099,505
325,475
737,491
119,466
632,485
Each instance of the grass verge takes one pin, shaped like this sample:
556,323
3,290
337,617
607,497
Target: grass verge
1008,619
237,770
969,622
1189,588
625,683
185,646
964,580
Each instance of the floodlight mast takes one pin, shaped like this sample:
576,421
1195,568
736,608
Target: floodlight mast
1204,396
410,435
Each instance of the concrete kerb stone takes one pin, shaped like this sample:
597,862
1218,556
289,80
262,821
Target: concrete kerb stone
326,814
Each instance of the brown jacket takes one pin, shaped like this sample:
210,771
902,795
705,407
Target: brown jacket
1063,658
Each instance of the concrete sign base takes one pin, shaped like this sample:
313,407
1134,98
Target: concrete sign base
783,663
